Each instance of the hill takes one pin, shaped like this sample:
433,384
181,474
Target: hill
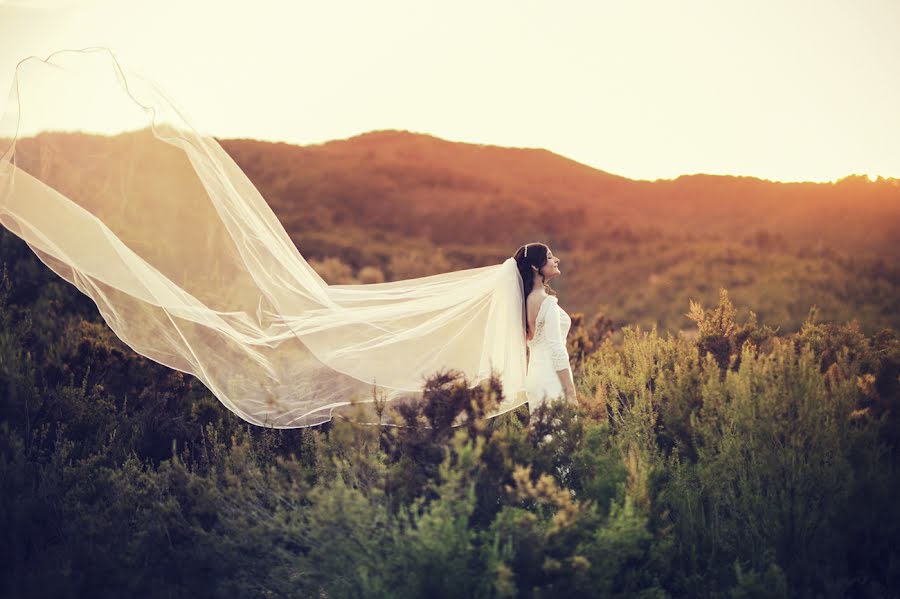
388,205
635,250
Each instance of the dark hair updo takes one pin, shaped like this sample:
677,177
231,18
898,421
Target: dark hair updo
531,254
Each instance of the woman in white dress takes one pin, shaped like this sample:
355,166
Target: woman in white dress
549,375
190,267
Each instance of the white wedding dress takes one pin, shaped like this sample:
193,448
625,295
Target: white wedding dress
547,354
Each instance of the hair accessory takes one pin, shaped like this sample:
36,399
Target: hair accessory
526,250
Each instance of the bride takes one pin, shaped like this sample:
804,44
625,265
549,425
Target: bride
111,186
549,373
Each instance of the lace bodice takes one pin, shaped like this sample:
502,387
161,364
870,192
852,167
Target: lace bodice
551,327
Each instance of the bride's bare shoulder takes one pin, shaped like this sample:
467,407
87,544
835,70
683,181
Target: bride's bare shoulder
534,301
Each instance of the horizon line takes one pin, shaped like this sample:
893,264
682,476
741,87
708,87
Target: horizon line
871,178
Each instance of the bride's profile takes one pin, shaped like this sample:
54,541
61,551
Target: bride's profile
549,374
104,178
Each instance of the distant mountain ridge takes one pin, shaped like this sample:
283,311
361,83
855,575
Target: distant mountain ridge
391,178
409,205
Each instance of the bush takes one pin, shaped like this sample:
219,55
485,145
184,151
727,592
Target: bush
740,464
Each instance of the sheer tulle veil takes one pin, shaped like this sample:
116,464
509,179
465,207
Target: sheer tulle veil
107,182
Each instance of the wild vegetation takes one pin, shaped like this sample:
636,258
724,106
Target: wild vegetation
742,462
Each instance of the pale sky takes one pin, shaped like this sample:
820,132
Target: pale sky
786,90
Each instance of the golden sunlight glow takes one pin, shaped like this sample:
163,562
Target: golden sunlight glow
790,91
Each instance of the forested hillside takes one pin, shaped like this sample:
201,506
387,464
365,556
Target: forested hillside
633,251
390,204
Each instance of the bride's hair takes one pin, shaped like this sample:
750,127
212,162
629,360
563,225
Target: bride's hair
531,254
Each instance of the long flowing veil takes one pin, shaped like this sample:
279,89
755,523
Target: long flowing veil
113,189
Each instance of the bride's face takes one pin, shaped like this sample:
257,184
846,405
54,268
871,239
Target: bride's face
551,268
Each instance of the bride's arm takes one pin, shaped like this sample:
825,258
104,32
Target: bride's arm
559,355
568,382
